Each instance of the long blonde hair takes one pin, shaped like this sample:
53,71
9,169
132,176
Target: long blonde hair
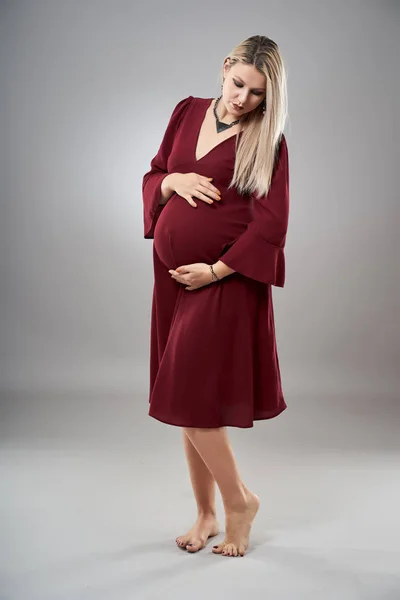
258,145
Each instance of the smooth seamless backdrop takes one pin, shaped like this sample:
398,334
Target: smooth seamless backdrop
86,92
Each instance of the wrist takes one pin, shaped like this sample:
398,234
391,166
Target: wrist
221,269
170,182
168,187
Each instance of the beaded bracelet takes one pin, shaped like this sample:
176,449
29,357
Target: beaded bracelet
213,274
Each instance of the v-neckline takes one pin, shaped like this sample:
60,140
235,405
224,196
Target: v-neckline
203,115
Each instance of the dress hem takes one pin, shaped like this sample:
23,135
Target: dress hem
176,424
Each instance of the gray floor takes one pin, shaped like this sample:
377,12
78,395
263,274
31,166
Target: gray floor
94,493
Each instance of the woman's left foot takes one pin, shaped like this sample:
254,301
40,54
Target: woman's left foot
238,525
195,539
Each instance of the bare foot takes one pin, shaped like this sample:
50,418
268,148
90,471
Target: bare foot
238,525
195,539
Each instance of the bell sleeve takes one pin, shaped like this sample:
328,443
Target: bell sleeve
151,185
258,252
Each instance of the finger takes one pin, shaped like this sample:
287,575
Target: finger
205,181
193,289
203,197
211,191
179,279
178,273
190,201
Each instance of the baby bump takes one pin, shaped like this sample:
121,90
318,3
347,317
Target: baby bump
185,235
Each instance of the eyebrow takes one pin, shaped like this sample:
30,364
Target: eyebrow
258,89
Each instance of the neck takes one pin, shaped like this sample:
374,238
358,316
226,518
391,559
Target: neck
223,114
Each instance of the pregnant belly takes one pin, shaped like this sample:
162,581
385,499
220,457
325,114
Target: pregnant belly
185,235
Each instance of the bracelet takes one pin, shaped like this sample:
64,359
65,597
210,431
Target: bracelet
213,274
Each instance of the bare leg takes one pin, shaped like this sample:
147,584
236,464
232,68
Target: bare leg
203,484
241,505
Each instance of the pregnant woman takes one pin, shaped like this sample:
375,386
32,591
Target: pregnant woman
216,202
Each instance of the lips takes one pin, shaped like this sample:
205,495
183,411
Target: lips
236,106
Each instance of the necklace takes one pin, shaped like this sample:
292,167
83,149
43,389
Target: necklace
222,126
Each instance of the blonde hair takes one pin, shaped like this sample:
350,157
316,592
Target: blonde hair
258,146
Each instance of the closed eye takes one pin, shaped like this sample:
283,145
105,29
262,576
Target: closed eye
239,85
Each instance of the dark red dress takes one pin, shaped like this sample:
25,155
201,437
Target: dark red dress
213,359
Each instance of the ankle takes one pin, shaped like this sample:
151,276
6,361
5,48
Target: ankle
235,503
206,512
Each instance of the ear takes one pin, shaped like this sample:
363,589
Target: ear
226,65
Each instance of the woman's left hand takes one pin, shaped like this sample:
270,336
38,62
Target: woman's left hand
195,276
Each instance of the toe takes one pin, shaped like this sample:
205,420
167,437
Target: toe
194,546
230,550
218,548
181,542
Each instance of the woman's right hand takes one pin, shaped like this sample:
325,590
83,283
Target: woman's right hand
189,185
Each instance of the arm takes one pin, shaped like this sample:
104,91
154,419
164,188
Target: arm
167,188
258,252
156,185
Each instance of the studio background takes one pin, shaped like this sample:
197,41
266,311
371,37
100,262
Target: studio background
86,91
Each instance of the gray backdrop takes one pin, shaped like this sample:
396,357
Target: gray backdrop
86,91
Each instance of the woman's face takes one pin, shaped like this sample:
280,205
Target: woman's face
243,89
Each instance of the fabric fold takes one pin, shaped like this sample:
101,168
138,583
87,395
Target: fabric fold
152,180
258,252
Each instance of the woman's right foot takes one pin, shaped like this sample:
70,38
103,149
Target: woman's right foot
238,525
195,539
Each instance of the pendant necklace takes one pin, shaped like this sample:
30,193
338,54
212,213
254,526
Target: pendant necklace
222,126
